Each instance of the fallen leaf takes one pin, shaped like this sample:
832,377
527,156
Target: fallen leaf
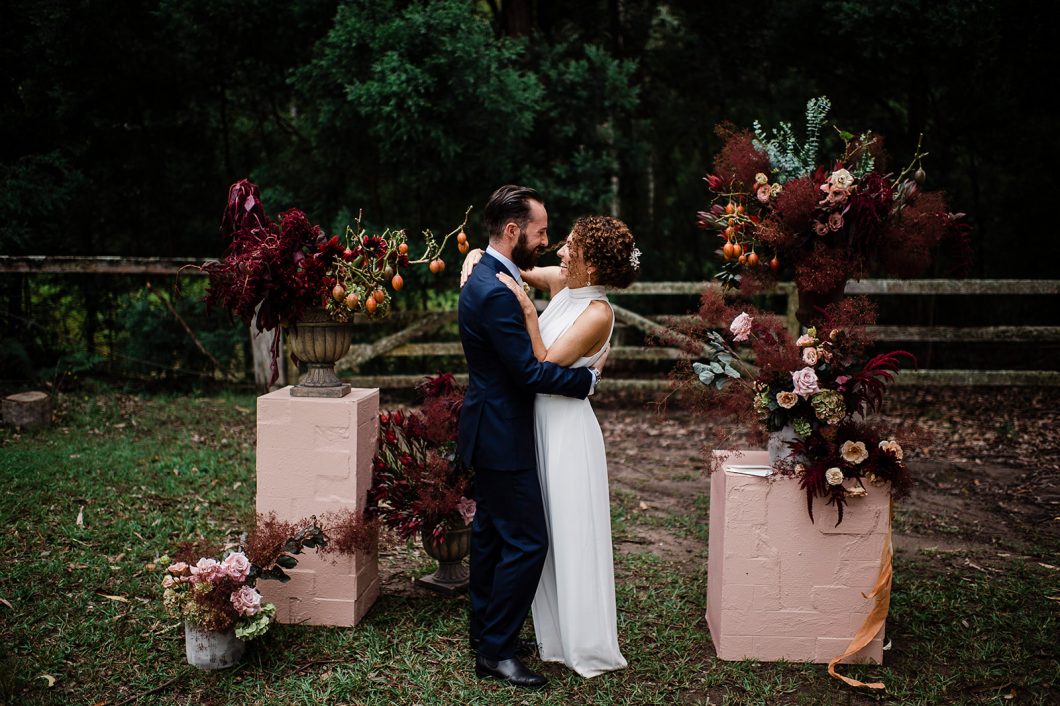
7,603
119,426
1051,598
643,505
48,678
81,517
235,486
120,599
242,410
75,455
1048,566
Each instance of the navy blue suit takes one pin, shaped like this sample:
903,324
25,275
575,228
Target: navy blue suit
509,537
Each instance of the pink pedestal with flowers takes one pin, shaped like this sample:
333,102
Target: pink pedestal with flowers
779,586
314,455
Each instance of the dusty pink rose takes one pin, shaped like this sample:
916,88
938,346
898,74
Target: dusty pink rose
853,452
809,356
835,221
741,327
178,569
820,228
205,570
169,582
787,400
466,508
763,193
246,601
824,354
804,340
805,382
236,565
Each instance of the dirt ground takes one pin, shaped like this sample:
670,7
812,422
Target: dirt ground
987,478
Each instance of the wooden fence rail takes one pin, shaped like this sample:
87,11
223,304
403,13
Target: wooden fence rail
403,344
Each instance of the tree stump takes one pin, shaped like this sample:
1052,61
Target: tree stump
28,409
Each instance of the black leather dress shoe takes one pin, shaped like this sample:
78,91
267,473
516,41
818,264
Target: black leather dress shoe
510,670
523,647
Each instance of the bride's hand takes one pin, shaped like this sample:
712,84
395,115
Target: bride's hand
469,264
525,302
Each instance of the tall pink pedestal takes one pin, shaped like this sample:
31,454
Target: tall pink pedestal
781,587
314,455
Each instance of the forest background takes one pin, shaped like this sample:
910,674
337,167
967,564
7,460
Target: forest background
122,123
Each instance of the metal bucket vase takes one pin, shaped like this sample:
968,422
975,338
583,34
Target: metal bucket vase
452,574
212,649
319,341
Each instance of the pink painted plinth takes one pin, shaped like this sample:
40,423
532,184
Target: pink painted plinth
781,587
314,455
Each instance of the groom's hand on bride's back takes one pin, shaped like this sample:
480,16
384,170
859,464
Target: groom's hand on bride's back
469,264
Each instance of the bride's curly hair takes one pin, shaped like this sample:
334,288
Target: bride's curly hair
607,244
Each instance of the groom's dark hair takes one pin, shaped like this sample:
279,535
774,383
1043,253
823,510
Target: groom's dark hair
509,203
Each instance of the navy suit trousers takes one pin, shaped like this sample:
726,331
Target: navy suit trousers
509,542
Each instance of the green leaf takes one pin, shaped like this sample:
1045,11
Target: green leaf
287,562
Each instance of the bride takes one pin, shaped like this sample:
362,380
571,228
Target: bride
574,607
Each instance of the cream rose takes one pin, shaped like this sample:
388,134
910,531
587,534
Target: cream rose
841,178
809,356
787,400
833,476
853,452
761,179
857,492
891,446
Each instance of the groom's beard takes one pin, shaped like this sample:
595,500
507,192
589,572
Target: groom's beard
523,256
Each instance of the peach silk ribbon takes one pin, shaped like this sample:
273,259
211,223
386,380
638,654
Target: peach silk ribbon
878,616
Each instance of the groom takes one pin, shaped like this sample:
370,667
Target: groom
509,539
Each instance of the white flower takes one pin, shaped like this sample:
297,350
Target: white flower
841,178
853,452
761,179
833,476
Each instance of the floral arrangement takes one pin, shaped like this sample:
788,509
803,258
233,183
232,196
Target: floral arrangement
221,595
279,269
819,389
776,207
418,482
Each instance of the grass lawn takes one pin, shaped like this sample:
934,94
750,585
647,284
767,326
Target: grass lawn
90,505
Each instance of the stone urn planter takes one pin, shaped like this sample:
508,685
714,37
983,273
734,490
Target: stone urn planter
319,341
452,574
212,649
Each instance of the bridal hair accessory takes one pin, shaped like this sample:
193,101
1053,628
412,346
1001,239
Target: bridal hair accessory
634,258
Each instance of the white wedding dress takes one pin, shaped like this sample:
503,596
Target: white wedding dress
574,608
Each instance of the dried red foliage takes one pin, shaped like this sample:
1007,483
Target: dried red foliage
265,543
796,206
822,268
349,532
191,551
738,161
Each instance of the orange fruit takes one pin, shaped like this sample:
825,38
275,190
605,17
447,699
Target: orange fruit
729,208
338,293
742,259
436,266
461,237
403,249
397,283
379,295
463,248
351,300
752,259
727,250
370,304
737,249
774,264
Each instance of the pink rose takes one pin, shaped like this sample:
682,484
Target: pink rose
236,565
205,570
809,356
169,582
805,340
178,569
820,228
763,193
466,508
805,382
835,221
741,327
246,601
